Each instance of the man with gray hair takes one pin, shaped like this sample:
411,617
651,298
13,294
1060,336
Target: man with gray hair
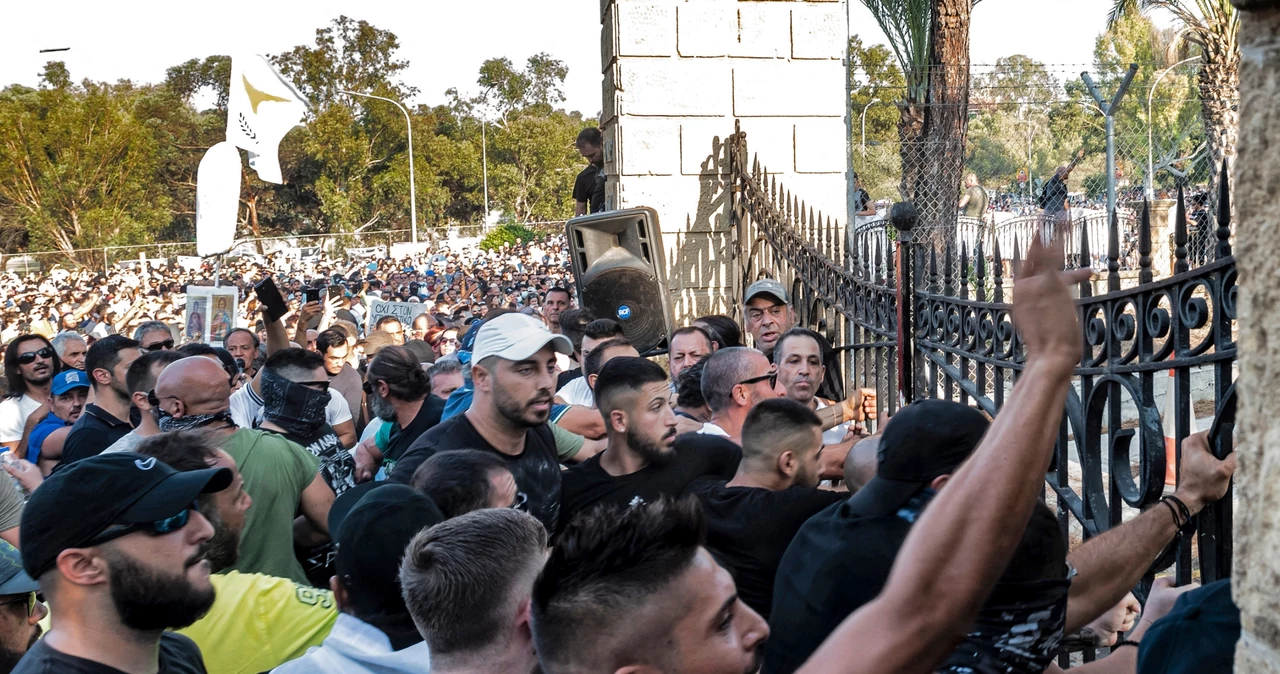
71,348
733,380
472,626
153,336
446,376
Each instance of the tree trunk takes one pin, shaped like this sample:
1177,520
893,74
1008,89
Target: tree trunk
946,121
1219,85
910,135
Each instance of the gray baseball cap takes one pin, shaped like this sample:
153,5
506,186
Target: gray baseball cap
766,286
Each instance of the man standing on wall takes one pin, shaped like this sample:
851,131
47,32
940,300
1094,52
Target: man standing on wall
588,189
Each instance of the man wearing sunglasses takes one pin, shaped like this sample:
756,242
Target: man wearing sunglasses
116,543
106,419
733,380
29,365
20,609
154,336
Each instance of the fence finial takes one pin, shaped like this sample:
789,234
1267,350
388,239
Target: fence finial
904,215
949,271
980,271
1180,235
1224,213
997,269
1113,252
964,270
934,286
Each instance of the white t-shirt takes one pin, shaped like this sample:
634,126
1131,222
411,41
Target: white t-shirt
835,434
709,428
13,416
577,392
246,408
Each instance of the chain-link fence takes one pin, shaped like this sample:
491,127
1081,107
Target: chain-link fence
1029,122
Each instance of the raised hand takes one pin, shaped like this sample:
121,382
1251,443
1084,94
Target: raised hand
1043,310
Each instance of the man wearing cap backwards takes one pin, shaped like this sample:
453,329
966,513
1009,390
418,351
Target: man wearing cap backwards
117,547
514,375
845,552
20,609
374,632
66,401
769,315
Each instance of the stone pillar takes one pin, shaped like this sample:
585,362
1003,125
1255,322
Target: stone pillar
1257,532
677,74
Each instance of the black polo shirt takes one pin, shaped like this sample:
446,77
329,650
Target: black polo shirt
94,431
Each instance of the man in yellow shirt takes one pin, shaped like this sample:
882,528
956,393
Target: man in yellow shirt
257,621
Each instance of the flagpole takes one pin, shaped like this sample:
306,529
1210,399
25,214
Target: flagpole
413,200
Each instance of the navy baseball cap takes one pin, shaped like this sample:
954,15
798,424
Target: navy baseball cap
13,578
1197,637
83,499
924,440
69,379
372,536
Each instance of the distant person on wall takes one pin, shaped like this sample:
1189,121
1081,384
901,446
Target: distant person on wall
861,198
973,203
588,189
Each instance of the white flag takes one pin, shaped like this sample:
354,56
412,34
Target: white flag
217,199
261,109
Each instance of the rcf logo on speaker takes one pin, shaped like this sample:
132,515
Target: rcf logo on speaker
624,312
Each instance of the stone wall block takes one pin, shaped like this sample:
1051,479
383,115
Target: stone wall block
645,28
820,146
702,146
817,31
648,147
705,29
675,87
788,89
764,30
608,38
773,142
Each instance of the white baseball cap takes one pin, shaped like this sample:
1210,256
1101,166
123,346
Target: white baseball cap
516,337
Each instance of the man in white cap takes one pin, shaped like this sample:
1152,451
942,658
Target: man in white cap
514,374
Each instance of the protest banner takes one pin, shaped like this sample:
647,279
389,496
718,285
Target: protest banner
210,314
405,311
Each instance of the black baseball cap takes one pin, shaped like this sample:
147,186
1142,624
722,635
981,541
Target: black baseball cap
81,500
925,439
1197,637
372,537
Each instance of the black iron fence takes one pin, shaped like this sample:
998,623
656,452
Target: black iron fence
912,321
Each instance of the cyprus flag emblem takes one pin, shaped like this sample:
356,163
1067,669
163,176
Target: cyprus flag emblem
261,109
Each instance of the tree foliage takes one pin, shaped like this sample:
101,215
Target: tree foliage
92,164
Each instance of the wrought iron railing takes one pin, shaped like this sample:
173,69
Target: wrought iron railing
915,322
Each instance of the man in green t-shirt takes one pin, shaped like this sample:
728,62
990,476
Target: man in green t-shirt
974,200
282,478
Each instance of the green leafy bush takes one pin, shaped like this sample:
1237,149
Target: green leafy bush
506,235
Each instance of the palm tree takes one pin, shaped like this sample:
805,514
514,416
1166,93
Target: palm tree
906,24
1213,27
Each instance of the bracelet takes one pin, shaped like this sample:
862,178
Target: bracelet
1124,642
1186,512
1173,512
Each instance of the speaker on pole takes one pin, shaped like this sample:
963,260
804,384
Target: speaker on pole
620,272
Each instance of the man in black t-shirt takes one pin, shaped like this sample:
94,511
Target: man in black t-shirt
752,518
643,459
513,372
118,551
588,189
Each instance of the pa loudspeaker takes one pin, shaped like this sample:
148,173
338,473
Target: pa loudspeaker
620,273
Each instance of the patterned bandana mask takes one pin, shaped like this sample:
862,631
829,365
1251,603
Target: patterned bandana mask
295,408
169,424
1017,632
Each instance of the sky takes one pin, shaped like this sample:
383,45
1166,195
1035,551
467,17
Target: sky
444,42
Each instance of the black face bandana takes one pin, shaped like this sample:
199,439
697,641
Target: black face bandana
295,408
1017,632
169,424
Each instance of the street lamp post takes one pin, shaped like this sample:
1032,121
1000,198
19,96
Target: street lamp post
864,124
1151,192
413,195
484,167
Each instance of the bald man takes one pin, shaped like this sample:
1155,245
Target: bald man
280,476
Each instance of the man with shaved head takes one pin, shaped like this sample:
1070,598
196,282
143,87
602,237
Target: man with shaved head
282,478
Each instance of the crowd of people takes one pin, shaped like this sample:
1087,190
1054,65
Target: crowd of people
504,484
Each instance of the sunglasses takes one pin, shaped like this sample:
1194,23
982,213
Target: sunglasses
771,377
159,346
160,527
31,600
30,356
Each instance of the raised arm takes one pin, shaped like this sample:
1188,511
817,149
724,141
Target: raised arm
959,548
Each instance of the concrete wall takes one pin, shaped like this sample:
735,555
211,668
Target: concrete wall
677,74
1257,542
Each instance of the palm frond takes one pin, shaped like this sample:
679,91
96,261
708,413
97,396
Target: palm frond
1120,9
906,25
